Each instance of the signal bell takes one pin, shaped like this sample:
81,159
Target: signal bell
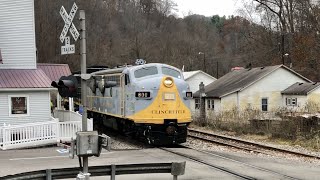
67,86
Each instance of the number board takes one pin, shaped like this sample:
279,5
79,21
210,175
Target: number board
169,96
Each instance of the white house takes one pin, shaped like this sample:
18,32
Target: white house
302,97
194,78
255,88
24,89
25,112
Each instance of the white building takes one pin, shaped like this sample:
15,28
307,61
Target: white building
255,88
194,78
302,97
24,89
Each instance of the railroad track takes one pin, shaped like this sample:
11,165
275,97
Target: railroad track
242,144
217,167
224,168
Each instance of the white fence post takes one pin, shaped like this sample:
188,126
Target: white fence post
90,124
34,134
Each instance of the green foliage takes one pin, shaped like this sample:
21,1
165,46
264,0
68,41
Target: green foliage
218,21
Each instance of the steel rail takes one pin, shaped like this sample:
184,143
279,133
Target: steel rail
226,138
220,168
242,163
174,168
227,144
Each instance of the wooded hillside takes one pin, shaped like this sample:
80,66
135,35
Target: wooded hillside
267,32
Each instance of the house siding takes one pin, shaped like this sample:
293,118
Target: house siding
195,80
17,34
313,100
301,103
269,87
39,108
228,102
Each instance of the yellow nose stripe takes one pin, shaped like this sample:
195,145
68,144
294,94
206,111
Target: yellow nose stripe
167,105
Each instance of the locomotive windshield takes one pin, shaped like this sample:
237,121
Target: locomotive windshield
146,71
171,72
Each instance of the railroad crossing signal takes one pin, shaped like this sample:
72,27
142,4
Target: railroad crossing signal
68,26
67,86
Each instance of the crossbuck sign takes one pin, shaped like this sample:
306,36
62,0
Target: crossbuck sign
68,26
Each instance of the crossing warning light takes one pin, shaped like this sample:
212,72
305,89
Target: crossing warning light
67,86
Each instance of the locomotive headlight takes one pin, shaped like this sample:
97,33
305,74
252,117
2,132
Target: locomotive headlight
168,82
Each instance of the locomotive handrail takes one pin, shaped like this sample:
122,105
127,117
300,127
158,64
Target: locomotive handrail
175,168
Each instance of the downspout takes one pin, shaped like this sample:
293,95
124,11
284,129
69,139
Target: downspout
238,102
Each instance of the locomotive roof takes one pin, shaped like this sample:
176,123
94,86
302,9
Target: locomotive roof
122,69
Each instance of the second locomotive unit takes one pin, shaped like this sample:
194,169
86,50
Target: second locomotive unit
149,101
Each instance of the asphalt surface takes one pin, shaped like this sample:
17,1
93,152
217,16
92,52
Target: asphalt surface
18,161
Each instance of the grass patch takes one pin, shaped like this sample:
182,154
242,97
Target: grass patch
255,125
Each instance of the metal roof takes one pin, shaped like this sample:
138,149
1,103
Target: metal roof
54,71
300,88
238,80
23,78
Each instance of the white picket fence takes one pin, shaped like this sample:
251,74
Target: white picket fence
36,134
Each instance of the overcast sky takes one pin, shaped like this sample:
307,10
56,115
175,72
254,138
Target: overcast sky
207,7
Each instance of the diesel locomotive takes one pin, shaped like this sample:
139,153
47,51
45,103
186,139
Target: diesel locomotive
149,101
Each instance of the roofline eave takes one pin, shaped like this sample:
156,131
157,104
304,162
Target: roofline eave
227,94
26,89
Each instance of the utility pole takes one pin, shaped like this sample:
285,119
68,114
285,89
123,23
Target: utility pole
83,83
282,47
204,61
202,104
217,69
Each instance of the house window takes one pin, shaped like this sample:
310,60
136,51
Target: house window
291,101
210,104
18,105
197,103
264,104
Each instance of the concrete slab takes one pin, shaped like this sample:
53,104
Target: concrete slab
18,161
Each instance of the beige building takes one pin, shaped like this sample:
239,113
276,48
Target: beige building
302,97
258,88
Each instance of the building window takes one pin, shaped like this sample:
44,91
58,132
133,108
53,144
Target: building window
197,103
291,101
18,105
264,104
210,104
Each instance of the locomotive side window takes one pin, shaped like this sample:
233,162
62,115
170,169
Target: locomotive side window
127,79
146,71
171,72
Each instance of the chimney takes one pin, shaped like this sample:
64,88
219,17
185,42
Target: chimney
236,68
